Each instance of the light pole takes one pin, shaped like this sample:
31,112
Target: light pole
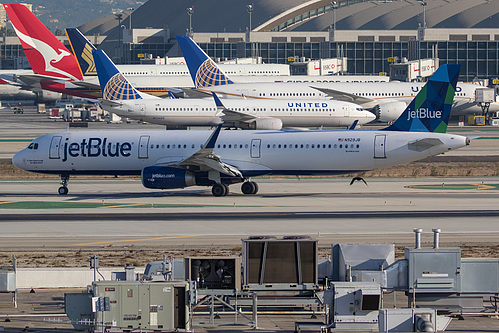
424,3
119,17
250,11
334,6
190,11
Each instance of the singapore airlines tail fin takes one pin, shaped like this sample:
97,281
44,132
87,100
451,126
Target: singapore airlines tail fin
430,110
204,71
82,49
46,54
113,84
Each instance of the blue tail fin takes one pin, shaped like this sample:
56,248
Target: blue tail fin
82,49
430,110
204,72
113,84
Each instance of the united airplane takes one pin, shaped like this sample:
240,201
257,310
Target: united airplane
120,97
387,99
178,159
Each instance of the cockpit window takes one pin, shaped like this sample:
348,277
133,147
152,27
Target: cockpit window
33,145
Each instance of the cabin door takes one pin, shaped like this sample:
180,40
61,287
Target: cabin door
55,144
144,146
255,148
379,146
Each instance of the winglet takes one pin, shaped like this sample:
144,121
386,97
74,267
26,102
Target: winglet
430,110
113,84
210,143
45,53
354,124
172,96
204,72
218,102
82,49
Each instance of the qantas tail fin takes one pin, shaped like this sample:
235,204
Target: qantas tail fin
204,71
82,49
113,84
430,110
46,54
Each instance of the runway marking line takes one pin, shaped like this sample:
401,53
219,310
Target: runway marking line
137,240
92,205
125,205
456,187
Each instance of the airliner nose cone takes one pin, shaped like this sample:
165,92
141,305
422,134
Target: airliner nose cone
17,160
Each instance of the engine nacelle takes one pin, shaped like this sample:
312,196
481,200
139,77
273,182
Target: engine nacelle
390,111
268,123
160,177
47,96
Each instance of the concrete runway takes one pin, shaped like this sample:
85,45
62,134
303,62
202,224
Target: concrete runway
98,213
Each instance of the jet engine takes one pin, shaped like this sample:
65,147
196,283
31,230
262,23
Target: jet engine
47,96
160,177
268,123
390,111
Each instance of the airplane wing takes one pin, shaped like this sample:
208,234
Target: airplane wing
193,93
344,96
230,116
85,84
205,159
423,144
34,79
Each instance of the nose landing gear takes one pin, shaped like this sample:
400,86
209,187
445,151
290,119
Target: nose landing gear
63,190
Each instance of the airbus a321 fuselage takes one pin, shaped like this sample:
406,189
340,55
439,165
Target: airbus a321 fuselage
178,159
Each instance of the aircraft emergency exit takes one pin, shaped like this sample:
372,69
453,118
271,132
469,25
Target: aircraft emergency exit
178,159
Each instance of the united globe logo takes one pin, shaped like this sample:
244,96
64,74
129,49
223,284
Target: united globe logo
209,74
118,88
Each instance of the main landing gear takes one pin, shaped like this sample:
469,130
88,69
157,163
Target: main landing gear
63,190
221,190
249,188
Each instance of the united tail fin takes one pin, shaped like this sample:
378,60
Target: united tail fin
430,110
113,84
46,54
204,72
82,49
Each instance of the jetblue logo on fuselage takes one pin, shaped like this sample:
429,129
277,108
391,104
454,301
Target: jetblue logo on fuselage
307,105
422,113
95,147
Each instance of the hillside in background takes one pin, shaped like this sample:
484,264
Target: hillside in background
61,14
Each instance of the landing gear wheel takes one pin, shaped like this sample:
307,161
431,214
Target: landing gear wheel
220,190
63,190
249,188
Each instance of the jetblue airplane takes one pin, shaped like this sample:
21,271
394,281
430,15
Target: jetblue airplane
387,99
178,159
121,98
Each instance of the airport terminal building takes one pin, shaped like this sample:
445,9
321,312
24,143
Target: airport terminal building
371,34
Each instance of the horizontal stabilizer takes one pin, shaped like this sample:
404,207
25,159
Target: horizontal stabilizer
108,102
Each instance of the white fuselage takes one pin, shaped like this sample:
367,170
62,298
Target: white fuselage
381,92
252,152
204,112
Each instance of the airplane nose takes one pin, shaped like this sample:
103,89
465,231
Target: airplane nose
17,160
